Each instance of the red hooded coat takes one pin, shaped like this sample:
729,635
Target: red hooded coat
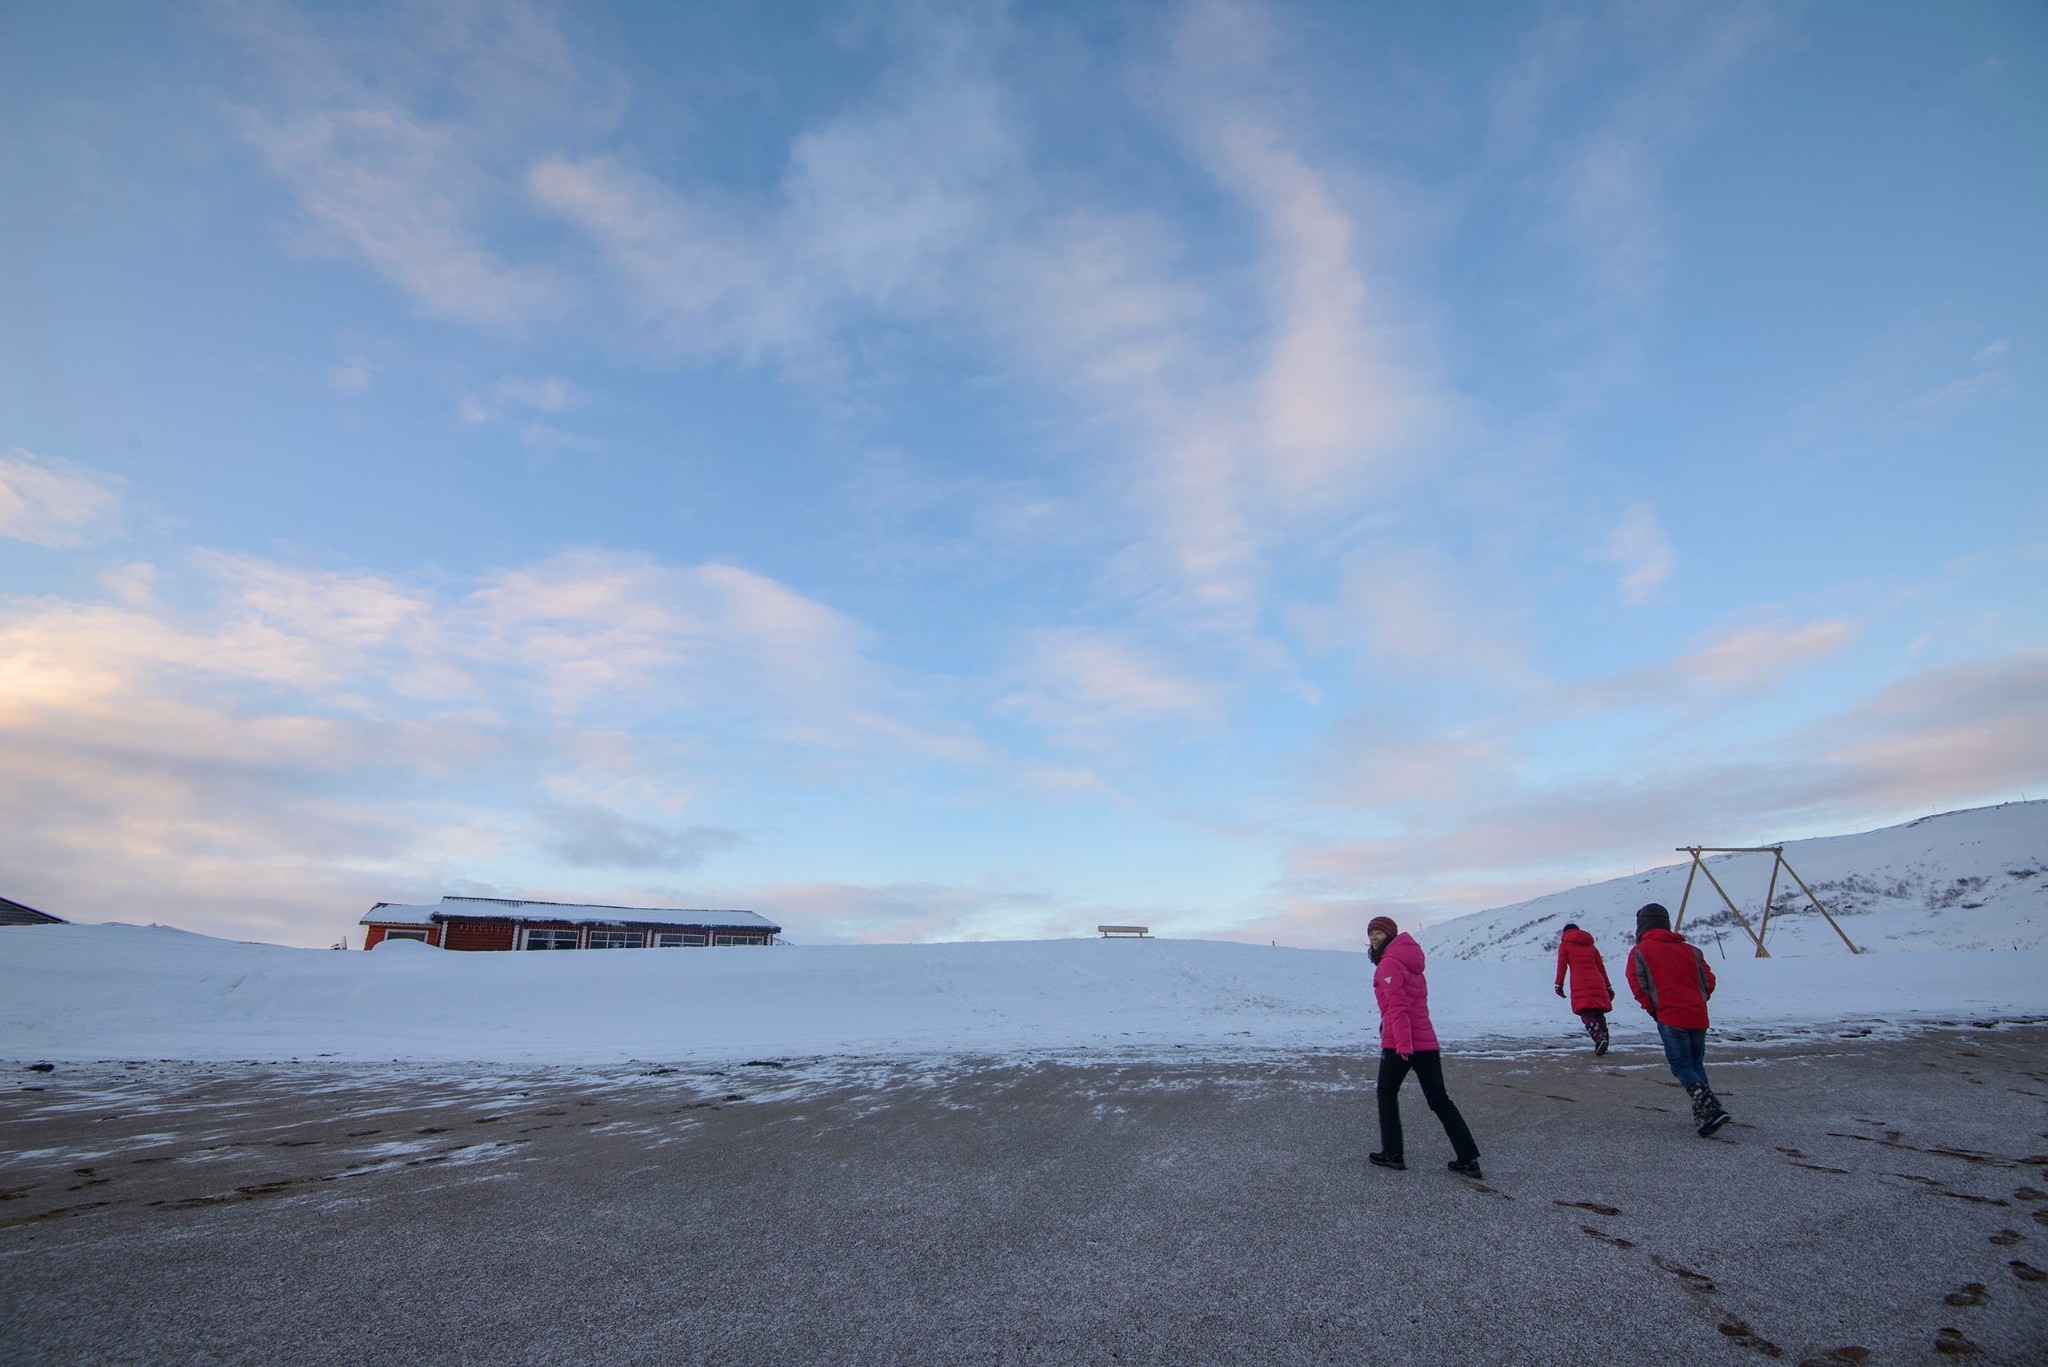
1671,979
1590,989
1403,996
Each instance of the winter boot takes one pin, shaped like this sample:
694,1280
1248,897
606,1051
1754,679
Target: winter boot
1464,1167
1387,1160
1708,1112
1599,1037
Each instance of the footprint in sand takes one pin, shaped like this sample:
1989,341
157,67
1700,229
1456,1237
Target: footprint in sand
1955,1343
2006,1238
1970,1293
1738,1329
1593,1206
1694,1281
1853,1355
1607,1238
2027,1272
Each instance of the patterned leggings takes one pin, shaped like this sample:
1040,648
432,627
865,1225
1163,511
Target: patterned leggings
1596,1024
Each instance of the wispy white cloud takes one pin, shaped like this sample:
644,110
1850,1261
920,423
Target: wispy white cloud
363,730
880,209
593,837
1341,386
895,912
353,376
1991,375
390,189
419,197
1643,553
1608,185
1388,764
1410,612
1088,686
516,400
1757,656
1736,662
55,503
541,393
922,203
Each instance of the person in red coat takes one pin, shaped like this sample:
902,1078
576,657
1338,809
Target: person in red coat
1592,995
1670,977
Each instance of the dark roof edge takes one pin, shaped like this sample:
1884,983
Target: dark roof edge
9,904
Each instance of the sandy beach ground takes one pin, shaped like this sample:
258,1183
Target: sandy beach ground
1875,1201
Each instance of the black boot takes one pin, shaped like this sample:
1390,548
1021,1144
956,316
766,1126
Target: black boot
1599,1037
1464,1167
1387,1160
1708,1112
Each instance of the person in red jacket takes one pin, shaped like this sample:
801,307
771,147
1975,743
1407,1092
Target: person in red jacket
1671,979
1592,995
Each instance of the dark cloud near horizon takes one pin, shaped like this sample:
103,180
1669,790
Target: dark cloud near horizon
593,837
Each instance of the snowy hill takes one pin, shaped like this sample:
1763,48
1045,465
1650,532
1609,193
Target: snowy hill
148,992
1969,880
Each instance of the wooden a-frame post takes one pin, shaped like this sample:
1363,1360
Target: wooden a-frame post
1778,861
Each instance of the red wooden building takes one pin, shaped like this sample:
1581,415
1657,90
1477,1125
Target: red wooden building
508,923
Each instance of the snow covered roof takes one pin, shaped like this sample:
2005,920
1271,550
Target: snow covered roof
398,914
578,913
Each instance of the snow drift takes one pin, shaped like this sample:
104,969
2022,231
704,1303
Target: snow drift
1968,889
132,992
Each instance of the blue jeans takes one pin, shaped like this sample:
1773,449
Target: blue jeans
1686,1052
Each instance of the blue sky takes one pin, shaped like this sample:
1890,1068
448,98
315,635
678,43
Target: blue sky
940,471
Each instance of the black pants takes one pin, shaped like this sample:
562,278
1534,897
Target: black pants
1428,1065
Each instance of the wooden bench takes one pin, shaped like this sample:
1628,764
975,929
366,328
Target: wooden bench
1125,932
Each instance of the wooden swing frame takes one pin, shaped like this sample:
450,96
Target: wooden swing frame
1777,853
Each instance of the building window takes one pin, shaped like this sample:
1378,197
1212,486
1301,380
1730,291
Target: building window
616,939
672,939
550,939
736,940
405,935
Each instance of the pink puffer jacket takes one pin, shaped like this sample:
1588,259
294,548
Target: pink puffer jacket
1404,997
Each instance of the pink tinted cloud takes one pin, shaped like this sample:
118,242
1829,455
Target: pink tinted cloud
254,765
1965,733
55,503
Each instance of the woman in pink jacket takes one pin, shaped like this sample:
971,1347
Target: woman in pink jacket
1407,1043
1592,995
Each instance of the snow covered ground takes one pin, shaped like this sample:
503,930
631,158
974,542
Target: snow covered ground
130,992
1952,909
1974,879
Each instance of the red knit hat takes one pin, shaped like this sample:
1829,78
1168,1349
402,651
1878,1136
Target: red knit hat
1385,923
